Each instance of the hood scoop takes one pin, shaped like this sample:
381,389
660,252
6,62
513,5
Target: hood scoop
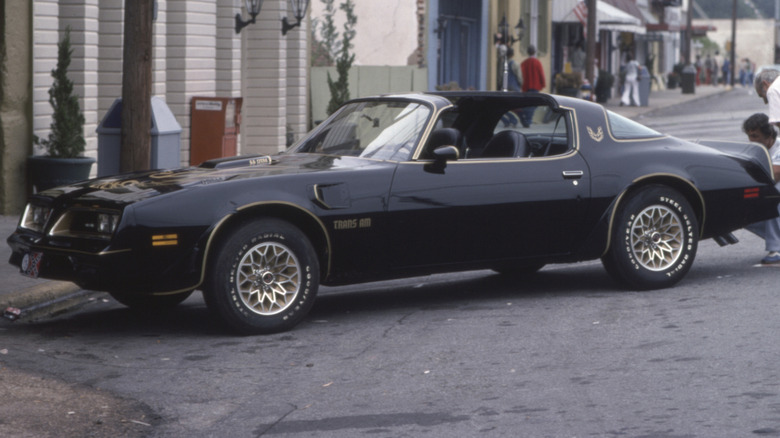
240,161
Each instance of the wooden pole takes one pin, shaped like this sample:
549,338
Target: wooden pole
732,53
688,33
136,142
590,44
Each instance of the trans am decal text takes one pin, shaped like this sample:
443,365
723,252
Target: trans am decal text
350,224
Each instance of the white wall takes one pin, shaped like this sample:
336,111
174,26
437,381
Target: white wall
386,30
755,39
196,53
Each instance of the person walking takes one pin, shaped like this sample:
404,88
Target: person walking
533,81
631,84
515,78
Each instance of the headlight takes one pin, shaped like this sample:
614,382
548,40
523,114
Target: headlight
107,223
35,217
85,222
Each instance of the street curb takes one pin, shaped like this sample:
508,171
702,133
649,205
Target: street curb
48,291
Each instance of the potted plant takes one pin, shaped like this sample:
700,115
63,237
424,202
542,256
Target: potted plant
63,162
568,84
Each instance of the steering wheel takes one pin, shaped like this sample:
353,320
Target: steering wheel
539,148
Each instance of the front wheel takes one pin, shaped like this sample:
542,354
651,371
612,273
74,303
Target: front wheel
150,303
263,278
654,239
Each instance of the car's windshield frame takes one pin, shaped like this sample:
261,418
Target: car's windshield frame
384,129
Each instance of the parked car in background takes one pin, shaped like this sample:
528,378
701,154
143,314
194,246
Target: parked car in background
395,186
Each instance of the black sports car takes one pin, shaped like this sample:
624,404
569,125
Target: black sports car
396,186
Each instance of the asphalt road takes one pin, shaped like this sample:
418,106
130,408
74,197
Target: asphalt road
564,353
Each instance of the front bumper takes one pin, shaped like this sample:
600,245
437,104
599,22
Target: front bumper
97,266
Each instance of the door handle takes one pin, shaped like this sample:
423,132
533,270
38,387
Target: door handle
572,174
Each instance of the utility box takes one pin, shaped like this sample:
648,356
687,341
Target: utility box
216,123
166,138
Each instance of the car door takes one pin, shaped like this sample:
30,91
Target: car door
491,209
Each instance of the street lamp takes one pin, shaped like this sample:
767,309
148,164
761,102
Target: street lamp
299,11
253,7
503,40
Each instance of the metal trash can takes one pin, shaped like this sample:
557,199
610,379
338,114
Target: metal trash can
166,138
644,87
689,79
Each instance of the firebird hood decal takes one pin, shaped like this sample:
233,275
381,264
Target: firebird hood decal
134,187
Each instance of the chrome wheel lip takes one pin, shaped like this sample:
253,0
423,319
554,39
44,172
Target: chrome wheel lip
657,238
268,278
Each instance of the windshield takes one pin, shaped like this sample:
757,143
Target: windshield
384,130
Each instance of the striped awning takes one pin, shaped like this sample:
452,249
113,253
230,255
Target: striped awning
609,17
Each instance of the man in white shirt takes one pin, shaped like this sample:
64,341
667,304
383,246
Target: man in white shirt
768,88
759,130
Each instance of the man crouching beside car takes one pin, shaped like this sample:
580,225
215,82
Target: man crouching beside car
759,131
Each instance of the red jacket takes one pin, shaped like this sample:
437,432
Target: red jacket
533,74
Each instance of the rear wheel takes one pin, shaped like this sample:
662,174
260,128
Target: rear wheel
263,278
654,239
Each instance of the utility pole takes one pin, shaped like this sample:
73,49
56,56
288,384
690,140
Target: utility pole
733,40
590,44
136,142
688,32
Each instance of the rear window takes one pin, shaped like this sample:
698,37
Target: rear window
623,127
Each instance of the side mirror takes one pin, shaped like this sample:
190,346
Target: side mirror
440,157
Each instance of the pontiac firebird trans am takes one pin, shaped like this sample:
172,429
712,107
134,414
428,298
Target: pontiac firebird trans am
395,186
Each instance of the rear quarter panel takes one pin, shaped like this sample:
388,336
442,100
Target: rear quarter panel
713,180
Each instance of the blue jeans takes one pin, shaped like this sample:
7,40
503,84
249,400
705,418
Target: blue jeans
769,230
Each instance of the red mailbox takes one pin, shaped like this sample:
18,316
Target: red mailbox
214,128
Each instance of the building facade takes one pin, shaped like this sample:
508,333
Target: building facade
197,52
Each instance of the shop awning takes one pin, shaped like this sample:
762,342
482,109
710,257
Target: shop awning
609,17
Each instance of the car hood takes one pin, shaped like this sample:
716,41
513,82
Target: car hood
129,188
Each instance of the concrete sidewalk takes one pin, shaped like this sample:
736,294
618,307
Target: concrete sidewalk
22,292
663,98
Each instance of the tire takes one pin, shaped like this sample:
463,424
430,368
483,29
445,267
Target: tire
263,278
150,303
654,239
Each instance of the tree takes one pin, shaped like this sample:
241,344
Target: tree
339,89
66,139
328,34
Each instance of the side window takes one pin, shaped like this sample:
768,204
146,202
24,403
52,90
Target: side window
544,131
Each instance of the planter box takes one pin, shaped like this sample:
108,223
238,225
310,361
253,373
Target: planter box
46,172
